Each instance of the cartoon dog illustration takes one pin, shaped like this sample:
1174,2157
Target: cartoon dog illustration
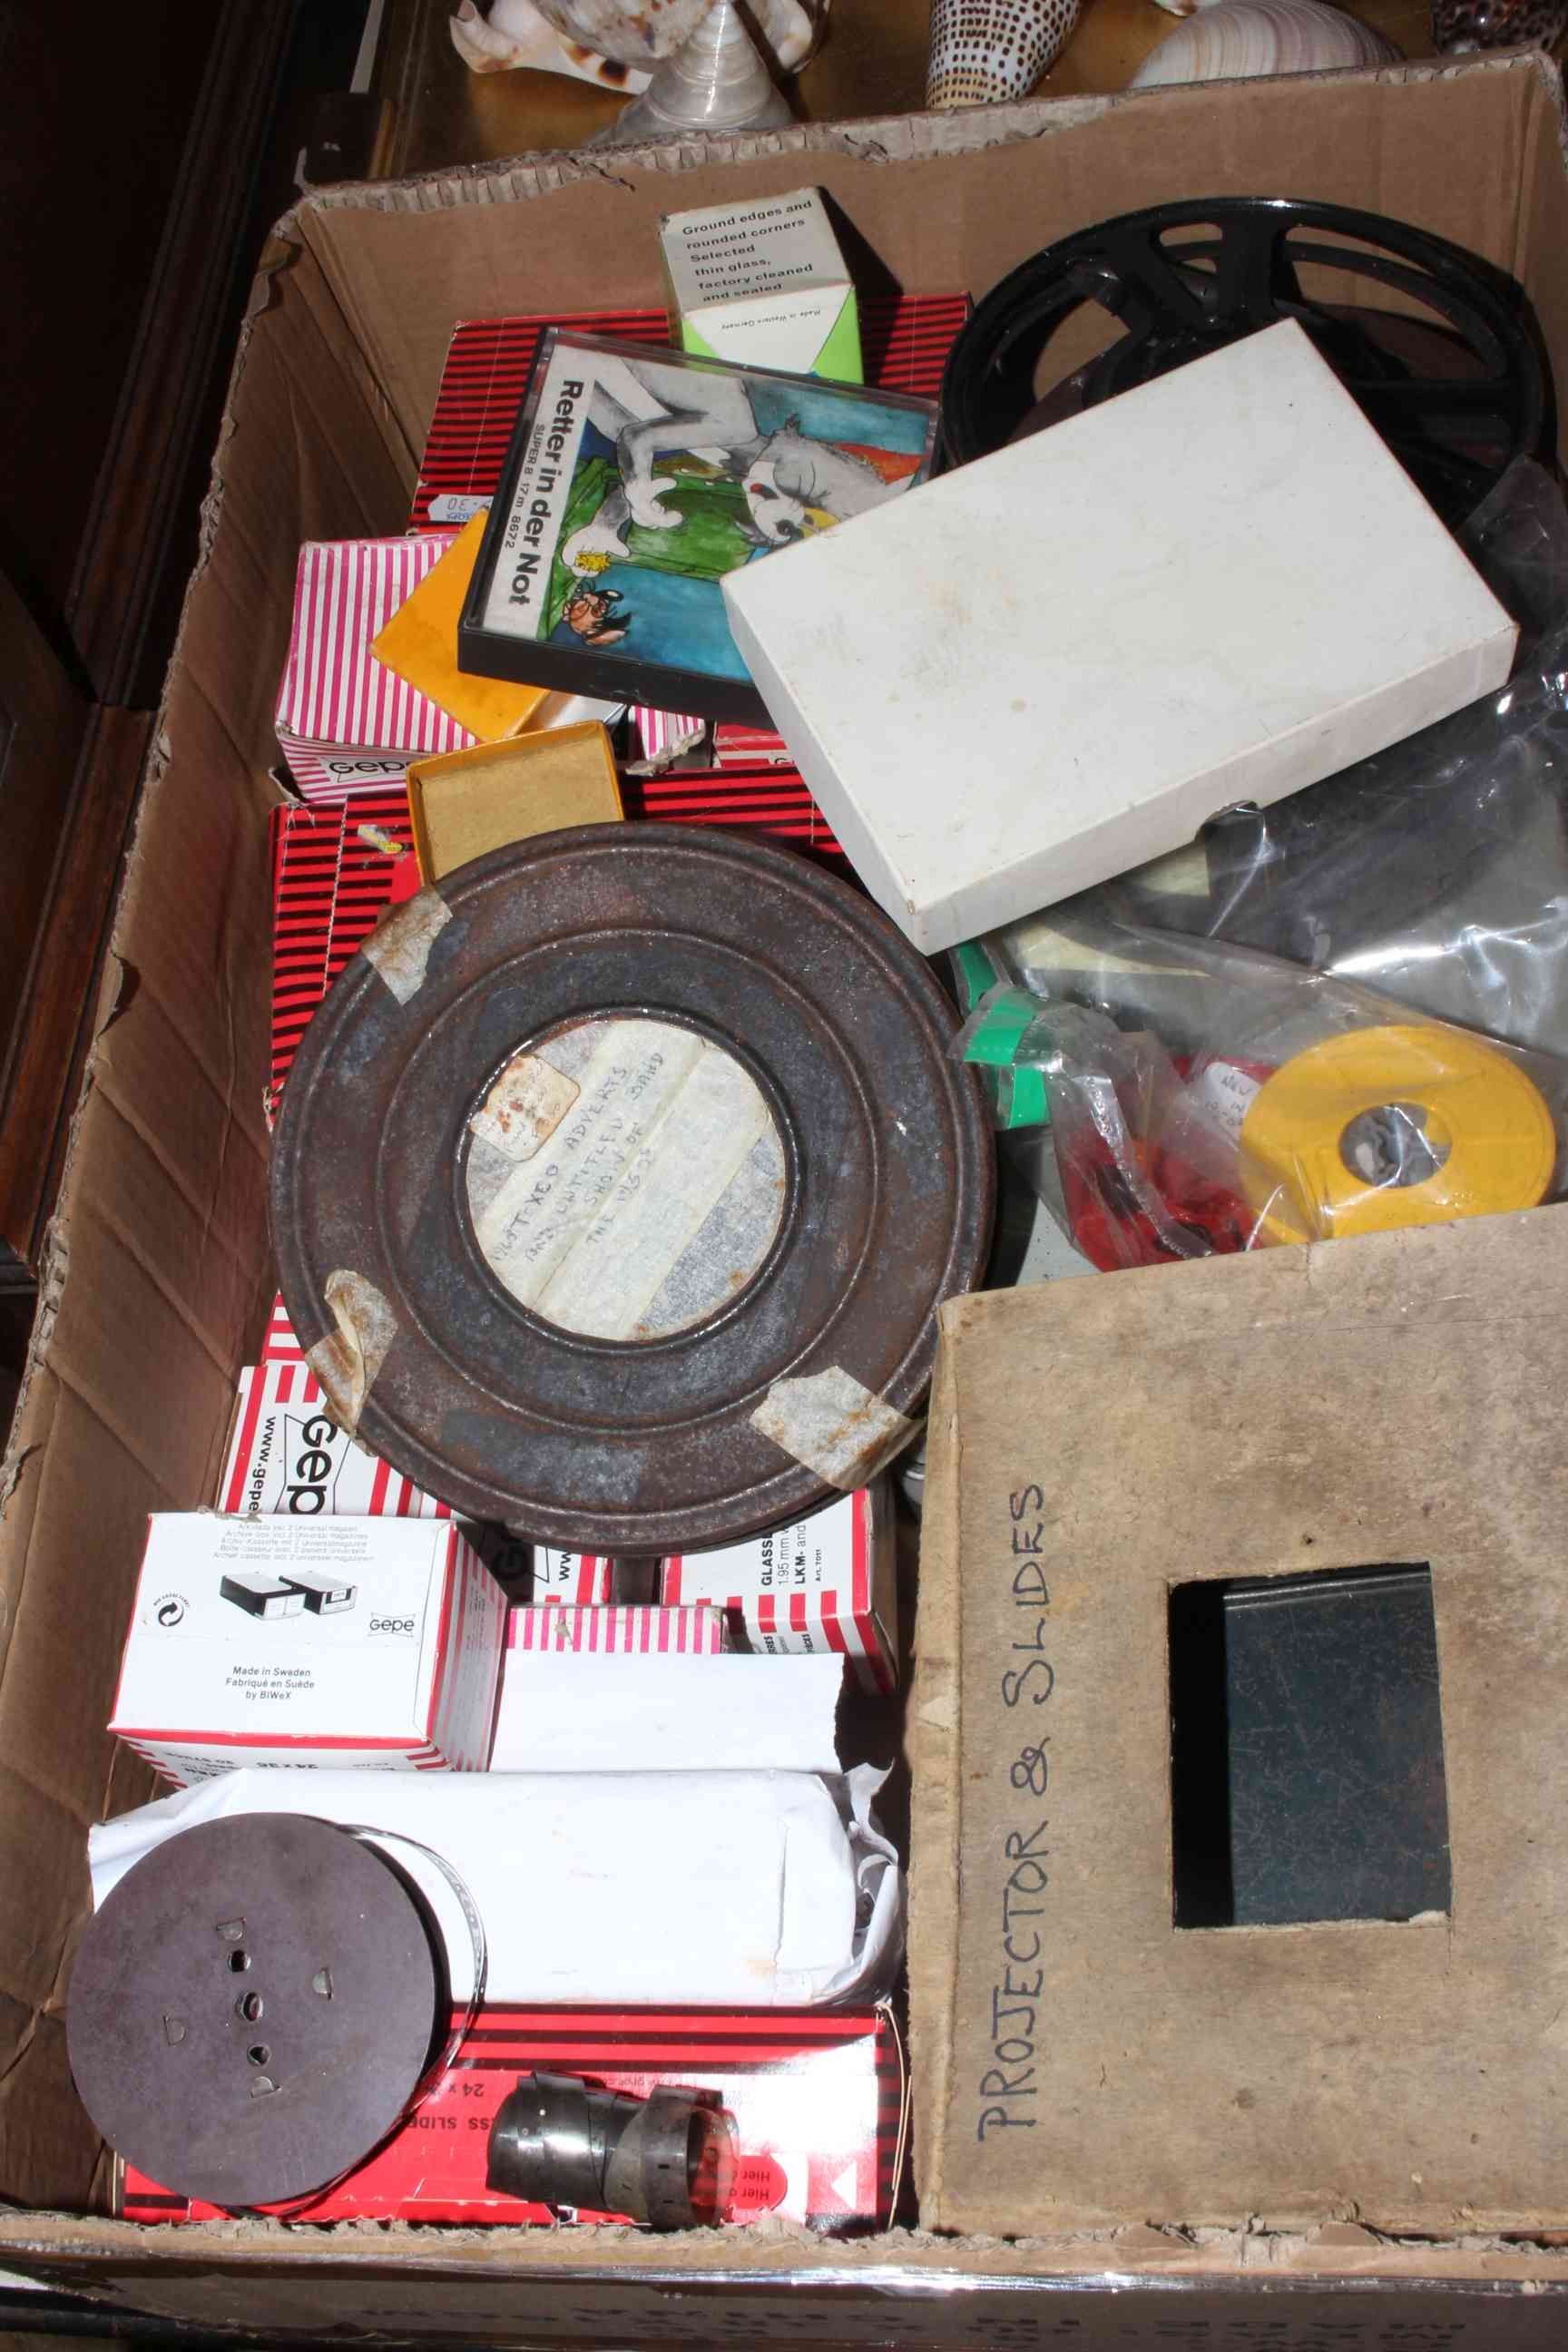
784,485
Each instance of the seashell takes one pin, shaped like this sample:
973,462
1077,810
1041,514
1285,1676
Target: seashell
714,81
516,35
1225,40
1461,24
982,50
617,43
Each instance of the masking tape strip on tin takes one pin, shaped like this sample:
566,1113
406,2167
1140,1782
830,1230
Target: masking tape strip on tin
833,1425
1471,1135
399,946
348,1360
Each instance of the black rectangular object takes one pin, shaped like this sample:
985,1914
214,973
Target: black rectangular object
324,1595
1306,1749
260,1595
636,477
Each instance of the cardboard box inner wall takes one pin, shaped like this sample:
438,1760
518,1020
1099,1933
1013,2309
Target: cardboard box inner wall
158,1288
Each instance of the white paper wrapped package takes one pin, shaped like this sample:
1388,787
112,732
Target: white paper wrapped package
714,1889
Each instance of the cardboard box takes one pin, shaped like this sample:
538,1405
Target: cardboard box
817,2100
356,1643
161,1219
771,802
633,1630
1218,587
573,1580
471,802
1102,2018
764,281
289,1455
822,1583
418,644
906,340
345,724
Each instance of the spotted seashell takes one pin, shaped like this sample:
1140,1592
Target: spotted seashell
982,50
1460,24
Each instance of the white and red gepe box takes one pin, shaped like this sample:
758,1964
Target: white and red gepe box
619,1629
355,1642
817,2097
346,723
824,1583
288,1454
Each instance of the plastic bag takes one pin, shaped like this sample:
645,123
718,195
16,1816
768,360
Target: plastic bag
1229,1055
1437,871
1205,1098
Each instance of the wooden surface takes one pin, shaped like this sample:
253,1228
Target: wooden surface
435,112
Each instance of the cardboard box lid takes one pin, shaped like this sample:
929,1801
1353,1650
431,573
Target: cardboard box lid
1082,2061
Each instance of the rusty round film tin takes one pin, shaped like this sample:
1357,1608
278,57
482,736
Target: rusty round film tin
252,2008
795,995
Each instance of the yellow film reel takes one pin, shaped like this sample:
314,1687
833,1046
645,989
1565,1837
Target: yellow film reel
1389,1127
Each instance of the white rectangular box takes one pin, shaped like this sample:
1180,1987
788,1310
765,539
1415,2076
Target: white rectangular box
288,1454
355,1642
1056,662
764,282
824,1583
603,1710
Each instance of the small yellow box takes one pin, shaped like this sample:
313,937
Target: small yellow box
420,642
466,802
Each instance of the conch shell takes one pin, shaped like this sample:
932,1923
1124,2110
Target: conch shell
1225,40
516,35
617,43
982,50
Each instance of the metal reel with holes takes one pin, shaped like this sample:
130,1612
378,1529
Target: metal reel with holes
1435,345
252,2009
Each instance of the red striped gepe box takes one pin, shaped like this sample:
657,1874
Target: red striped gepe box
623,1629
288,1454
573,1578
829,1582
817,2098
337,867
364,1643
770,803
278,1344
345,723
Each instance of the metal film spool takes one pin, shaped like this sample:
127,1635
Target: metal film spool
646,1445
252,2009
1473,1130
1450,374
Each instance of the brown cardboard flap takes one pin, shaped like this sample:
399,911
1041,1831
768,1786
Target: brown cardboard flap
944,200
159,1252
1080,2060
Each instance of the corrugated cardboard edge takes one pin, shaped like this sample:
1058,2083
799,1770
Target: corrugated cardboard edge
88,2255
932,1740
878,139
